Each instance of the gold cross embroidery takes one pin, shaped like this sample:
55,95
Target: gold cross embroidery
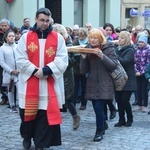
32,47
50,52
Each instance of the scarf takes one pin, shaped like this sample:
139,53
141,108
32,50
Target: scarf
32,91
93,57
83,42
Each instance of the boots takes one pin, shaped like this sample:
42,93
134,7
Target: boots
3,102
135,103
76,121
27,143
120,123
98,135
105,127
64,109
41,148
129,122
112,114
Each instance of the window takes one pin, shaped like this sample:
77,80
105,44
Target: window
131,12
147,19
56,13
127,13
78,12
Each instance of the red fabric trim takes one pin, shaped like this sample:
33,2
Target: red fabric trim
32,92
53,112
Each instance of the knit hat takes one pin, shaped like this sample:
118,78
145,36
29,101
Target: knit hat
68,27
103,31
75,27
143,38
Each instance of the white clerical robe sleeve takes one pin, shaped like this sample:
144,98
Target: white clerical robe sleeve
23,64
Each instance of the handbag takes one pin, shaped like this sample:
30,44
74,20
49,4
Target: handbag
119,77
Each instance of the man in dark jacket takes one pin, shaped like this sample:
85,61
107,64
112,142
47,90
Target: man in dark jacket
5,26
26,25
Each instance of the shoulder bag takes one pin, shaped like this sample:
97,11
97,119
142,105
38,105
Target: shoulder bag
119,77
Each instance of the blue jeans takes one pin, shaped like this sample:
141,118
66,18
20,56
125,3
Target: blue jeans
98,106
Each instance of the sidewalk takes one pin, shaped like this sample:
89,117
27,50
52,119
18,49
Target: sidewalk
136,137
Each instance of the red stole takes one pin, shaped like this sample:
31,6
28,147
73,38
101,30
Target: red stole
32,91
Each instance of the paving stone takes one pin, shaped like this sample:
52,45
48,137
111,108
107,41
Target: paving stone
136,137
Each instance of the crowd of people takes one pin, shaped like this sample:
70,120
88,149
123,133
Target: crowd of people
38,73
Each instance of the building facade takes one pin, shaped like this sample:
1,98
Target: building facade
136,16
66,12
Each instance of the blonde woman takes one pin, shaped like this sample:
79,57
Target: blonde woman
125,54
99,87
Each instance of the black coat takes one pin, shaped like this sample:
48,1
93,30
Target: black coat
126,58
68,74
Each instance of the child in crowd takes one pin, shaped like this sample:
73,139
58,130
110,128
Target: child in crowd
142,58
8,63
110,32
17,34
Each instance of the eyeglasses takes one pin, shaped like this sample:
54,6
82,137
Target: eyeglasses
44,21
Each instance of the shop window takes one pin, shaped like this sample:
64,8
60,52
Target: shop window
147,19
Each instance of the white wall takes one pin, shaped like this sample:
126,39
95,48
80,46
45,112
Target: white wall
68,13
20,9
30,8
91,12
2,9
101,13
113,12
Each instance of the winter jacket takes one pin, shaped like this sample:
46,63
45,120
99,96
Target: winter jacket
99,82
126,58
8,62
142,58
68,74
25,28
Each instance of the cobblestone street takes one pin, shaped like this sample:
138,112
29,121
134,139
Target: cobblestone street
136,137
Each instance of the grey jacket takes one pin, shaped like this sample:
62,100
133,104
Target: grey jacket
99,82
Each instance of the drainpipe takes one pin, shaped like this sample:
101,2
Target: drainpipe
104,12
37,4
7,10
